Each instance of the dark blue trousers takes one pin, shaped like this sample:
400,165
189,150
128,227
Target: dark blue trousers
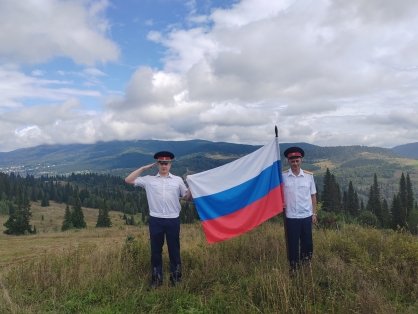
299,240
169,228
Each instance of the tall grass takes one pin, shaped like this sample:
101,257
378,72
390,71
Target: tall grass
354,270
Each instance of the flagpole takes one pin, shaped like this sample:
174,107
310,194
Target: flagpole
284,209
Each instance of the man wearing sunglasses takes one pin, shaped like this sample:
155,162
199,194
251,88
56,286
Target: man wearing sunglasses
163,193
300,201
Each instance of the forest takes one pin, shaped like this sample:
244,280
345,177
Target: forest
106,192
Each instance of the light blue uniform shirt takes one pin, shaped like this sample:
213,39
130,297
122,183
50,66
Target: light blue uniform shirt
297,193
163,194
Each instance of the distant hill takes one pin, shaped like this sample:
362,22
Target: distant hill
348,163
120,156
114,156
407,150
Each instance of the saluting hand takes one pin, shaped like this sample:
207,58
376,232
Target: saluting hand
149,166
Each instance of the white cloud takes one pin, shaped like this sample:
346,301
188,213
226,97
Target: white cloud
15,86
316,70
94,72
60,123
37,73
36,31
326,72
246,12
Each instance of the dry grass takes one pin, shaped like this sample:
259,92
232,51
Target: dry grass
324,164
49,238
355,270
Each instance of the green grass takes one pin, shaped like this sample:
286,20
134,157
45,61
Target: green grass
354,269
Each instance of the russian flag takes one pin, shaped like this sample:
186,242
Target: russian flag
237,197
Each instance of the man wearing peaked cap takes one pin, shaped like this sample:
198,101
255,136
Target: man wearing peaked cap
293,152
163,192
300,208
164,156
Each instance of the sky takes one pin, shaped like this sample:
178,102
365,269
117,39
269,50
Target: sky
326,72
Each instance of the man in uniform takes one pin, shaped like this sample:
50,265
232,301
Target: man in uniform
163,192
300,208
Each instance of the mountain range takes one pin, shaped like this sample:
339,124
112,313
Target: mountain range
355,163
407,150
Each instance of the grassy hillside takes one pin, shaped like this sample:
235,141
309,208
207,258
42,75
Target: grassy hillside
48,221
106,271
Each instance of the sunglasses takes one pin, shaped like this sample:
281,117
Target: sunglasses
164,163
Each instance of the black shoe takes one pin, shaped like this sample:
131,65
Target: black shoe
155,283
175,277
174,281
307,261
156,279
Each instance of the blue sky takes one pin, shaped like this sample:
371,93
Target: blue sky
326,72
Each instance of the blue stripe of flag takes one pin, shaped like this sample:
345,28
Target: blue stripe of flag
228,201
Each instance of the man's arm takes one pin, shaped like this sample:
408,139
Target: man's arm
188,196
130,179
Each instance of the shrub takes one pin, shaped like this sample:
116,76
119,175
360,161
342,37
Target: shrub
367,218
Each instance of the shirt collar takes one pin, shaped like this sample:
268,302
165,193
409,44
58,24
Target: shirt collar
301,173
169,175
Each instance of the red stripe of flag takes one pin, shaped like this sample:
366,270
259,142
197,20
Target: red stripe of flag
245,219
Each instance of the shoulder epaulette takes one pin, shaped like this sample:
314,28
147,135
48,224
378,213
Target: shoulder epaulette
308,172
285,171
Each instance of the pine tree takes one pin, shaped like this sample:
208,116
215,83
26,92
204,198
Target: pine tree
345,201
386,218
45,200
413,220
77,216
26,211
12,221
67,223
403,197
357,201
412,211
103,220
331,194
374,204
400,211
396,213
33,194
352,200
19,218
409,194
326,195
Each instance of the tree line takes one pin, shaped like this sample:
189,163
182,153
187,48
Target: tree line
106,192
399,213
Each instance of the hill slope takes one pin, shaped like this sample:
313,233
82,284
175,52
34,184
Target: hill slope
109,156
407,150
355,163
125,155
